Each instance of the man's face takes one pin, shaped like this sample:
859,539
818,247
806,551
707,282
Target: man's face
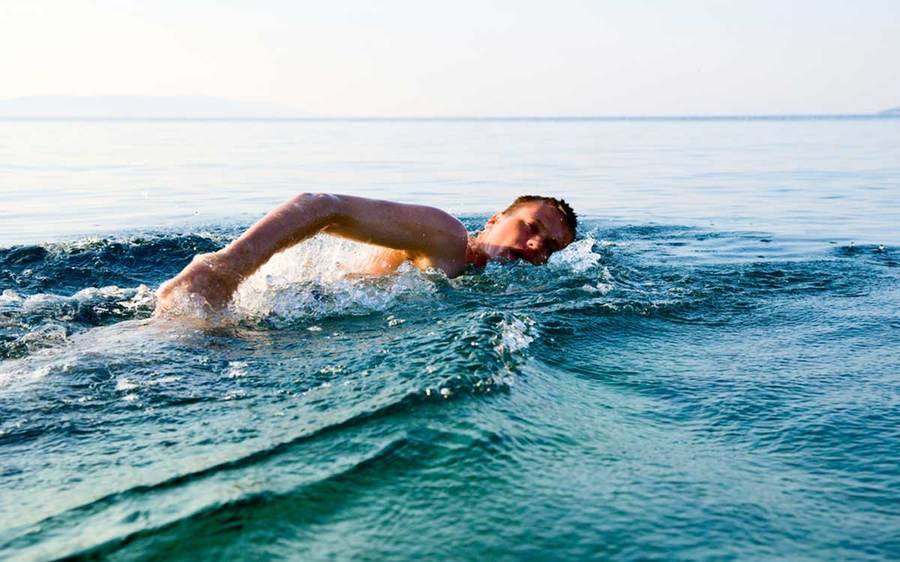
532,231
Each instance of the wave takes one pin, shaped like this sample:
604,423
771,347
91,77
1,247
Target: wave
214,425
67,267
53,291
469,358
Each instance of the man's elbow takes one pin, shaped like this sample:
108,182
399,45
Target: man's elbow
325,208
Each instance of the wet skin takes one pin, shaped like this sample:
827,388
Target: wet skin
531,232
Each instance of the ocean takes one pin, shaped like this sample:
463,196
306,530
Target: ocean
710,372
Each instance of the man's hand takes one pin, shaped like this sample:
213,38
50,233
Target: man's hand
208,277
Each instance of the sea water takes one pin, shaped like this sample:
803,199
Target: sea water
710,372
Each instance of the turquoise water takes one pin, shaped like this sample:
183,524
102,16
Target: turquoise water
711,372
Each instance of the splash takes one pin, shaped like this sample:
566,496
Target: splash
33,322
515,334
577,257
321,277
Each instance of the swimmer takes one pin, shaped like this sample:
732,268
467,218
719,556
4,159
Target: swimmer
530,229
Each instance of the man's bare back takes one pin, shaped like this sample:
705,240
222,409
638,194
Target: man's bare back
531,229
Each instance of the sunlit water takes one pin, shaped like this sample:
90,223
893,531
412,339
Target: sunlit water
711,372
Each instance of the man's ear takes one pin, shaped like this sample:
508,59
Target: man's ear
493,219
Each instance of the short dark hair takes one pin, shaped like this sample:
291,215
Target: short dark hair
571,219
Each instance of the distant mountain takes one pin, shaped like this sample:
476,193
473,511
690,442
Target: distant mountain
891,111
133,107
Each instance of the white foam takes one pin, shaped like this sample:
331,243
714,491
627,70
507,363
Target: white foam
321,258
394,321
516,334
578,256
50,333
10,300
603,285
124,339
236,369
320,277
21,371
140,297
124,384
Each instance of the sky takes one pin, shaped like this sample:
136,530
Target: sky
464,58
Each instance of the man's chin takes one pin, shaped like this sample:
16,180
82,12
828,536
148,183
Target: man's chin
505,254
533,259
513,255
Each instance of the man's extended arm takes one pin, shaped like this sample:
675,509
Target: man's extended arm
428,236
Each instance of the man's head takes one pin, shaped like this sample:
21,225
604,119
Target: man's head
532,228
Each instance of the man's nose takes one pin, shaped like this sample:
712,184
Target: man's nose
537,249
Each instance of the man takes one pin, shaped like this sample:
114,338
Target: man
530,229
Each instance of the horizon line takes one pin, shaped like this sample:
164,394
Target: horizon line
662,117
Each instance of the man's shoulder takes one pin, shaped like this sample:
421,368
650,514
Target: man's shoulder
451,233
448,247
